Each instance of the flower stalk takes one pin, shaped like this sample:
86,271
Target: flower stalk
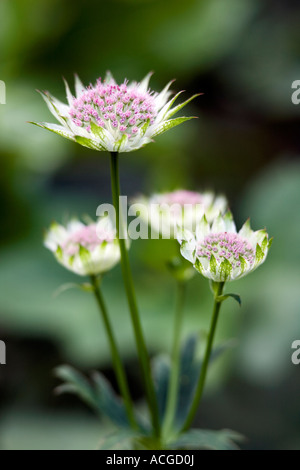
130,292
209,345
117,363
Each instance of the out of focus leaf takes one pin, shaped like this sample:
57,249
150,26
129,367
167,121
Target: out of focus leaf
120,440
98,394
206,439
190,367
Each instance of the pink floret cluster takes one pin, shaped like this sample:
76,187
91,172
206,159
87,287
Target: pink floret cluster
89,237
114,107
228,246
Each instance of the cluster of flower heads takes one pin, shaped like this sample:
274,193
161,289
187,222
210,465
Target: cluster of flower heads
111,117
84,249
214,247
221,253
123,118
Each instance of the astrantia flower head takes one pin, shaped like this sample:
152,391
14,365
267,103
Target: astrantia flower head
221,253
166,212
84,249
112,117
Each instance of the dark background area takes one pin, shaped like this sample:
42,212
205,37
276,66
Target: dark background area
244,57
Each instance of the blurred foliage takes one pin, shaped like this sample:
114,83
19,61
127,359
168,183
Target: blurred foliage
243,56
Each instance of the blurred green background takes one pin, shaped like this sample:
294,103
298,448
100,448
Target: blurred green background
244,57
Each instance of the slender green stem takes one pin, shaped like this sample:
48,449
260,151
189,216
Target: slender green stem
175,362
129,287
202,378
117,363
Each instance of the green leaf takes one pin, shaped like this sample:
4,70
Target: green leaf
213,264
97,131
206,439
264,243
89,143
161,374
75,383
180,106
198,266
165,109
59,252
259,255
221,298
167,125
189,373
120,142
243,263
145,127
225,269
84,254
98,394
114,440
59,130
108,402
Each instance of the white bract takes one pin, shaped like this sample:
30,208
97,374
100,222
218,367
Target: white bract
84,249
112,117
166,212
220,253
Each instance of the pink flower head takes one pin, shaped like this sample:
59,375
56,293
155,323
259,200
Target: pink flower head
220,253
84,249
114,117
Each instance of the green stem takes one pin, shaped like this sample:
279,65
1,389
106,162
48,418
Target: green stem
202,378
175,362
129,287
117,363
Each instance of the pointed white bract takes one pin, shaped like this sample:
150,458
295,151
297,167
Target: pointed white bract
84,249
166,213
112,117
220,253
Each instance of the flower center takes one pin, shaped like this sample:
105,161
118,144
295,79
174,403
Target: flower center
89,237
228,246
117,108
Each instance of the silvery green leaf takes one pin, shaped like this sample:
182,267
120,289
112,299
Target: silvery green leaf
180,106
206,439
60,130
76,383
167,125
236,297
89,143
117,440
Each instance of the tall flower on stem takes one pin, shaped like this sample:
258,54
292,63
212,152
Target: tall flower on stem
166,213
119,118
91,250
114,118
221,254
